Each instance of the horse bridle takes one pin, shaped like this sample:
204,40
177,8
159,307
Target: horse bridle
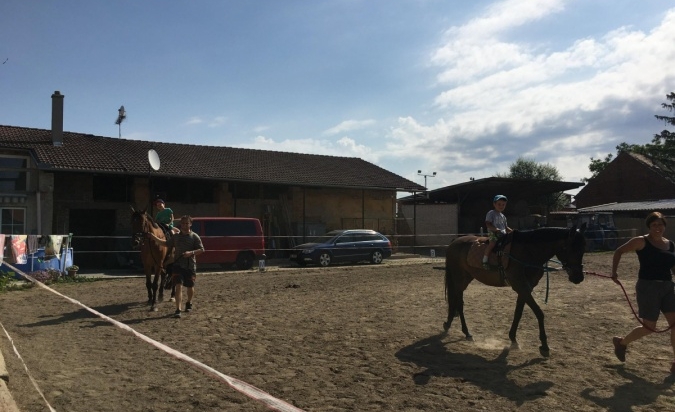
138,238
567,268
570,268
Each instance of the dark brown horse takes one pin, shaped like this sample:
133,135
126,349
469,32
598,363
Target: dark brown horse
529,254
153,255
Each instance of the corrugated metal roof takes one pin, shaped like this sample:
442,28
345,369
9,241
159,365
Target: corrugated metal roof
644,205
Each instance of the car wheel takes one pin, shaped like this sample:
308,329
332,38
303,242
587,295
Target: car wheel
324,259
244,261
376,257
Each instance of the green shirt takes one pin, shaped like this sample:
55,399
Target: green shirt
164,217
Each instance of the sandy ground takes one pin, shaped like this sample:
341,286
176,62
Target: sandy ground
356,338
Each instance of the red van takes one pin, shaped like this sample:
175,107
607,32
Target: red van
229,240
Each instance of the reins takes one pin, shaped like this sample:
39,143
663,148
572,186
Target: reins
546,269
617,281
145,223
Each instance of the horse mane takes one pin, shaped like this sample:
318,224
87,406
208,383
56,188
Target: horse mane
544,234
143,214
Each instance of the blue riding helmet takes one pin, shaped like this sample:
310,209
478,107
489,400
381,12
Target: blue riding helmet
500,197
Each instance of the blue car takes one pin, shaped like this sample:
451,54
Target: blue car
353,245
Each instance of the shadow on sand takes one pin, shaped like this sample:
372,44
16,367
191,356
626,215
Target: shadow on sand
491,375
637,392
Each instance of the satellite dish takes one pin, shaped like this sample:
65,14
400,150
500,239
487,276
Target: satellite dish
153,158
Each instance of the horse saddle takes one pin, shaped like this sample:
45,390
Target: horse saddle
166,229
477,250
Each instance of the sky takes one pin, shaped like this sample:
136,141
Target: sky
459,88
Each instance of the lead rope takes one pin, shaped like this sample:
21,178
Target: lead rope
617,281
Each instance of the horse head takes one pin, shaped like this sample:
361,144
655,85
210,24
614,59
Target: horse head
571,254
139,227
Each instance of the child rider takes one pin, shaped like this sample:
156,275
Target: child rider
496,225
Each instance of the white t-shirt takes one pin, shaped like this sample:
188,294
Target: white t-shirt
497,219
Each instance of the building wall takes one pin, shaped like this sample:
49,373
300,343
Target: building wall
66,205
437,224
342,208
625,179
35,200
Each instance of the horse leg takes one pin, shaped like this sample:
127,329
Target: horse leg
455,298
544,350
155,285
162,279
517,315
148,286
461,318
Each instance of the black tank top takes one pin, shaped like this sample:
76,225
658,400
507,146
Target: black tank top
655,263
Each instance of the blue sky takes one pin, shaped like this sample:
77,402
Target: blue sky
431,85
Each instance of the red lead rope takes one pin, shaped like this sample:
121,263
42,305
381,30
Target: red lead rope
618,282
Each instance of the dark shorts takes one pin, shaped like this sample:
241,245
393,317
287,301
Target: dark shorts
182,276
653,297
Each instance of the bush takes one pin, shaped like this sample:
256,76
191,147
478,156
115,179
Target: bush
5,278
46,276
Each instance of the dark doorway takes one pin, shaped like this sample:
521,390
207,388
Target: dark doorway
93,238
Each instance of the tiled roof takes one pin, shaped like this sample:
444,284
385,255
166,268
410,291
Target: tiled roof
87,153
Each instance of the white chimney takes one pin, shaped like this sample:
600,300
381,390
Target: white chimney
57,118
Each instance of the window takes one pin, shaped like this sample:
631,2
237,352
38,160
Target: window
12,221
109,188
13,173
184,190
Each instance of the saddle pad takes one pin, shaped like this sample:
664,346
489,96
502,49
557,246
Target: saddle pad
477,250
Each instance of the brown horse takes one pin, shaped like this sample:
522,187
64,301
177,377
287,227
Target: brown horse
529,254
153,255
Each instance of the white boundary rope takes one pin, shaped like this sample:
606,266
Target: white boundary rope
18,355
239,385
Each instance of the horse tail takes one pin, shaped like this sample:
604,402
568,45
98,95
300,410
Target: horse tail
450,257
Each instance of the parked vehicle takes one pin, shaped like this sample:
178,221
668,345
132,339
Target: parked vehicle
601,234
353,245
229,240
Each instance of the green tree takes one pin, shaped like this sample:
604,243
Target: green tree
661,148
524,168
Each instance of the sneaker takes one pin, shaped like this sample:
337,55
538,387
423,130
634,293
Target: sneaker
620,350
188,307
176,313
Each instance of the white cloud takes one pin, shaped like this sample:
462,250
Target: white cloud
345,147
260,129
215,122
218,121
501,99
348,126
193,120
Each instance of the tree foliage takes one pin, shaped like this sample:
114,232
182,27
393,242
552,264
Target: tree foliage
661,148
525,168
